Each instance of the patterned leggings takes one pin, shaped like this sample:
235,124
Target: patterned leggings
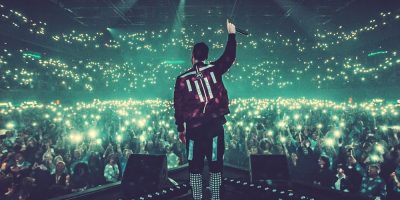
205,141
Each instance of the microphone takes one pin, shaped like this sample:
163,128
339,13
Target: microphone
243,32
239,30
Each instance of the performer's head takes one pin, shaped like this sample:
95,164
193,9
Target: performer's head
200,52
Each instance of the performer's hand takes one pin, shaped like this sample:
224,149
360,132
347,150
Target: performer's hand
182,137
230,27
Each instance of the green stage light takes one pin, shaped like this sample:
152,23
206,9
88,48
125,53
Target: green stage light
174,62
31,54
377,53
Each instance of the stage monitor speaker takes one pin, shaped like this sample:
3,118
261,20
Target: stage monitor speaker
144,174
268,167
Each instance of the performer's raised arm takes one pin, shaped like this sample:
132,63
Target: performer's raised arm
228,57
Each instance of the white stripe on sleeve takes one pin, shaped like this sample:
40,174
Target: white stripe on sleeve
213,77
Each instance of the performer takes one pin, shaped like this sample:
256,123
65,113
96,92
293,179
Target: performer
201,103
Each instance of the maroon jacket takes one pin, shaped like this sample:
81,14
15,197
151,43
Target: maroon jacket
200,94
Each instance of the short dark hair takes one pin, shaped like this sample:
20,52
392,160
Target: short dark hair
326,160
200,51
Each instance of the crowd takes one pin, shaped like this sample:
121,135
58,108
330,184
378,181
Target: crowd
125,61
66,149
347,146
61,149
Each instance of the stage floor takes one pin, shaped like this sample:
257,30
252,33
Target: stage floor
235,186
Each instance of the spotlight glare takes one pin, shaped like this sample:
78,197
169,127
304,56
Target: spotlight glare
380,148
92,133
337,133
281,124
374,158
98,141
270,133
10,125
329,142
119,138
141,123
75,137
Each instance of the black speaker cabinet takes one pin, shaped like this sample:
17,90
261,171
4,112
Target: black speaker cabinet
144,174
268,167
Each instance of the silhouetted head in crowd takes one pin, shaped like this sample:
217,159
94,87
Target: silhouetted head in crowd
67,158
19,159
81,169
323,162
112,159
31,142
60,167
373,170
94,162
294,157
77,154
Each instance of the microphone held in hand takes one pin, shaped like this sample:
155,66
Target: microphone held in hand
239,30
